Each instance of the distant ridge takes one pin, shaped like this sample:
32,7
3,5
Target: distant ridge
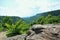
14,18
30,19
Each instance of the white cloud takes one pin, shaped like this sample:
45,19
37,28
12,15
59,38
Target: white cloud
25,8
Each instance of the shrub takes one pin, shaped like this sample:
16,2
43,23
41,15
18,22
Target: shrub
1,27
47,20
19,28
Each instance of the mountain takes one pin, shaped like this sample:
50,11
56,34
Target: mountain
31,19
14,18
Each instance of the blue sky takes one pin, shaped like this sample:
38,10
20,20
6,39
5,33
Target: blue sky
27,8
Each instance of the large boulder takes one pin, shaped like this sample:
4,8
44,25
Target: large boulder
39,32
44,32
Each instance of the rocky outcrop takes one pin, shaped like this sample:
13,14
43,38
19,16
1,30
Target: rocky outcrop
44,32
39,32
18,37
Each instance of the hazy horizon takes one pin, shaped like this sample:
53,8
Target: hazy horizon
27,8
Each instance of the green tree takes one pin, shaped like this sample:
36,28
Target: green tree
49,19
1,27
7,20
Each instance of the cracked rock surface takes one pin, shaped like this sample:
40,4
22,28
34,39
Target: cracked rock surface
44,32
37,32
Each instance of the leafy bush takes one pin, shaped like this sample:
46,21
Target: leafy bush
47,20
1,27
11,31
19,28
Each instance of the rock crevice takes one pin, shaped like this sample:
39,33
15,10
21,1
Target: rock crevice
44,32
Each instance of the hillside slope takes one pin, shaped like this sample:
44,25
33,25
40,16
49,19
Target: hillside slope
14,18
30,19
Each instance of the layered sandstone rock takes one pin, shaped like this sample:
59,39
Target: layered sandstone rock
44,32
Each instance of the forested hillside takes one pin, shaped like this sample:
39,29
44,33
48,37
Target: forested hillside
13,25
11,18
49,19
53,13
